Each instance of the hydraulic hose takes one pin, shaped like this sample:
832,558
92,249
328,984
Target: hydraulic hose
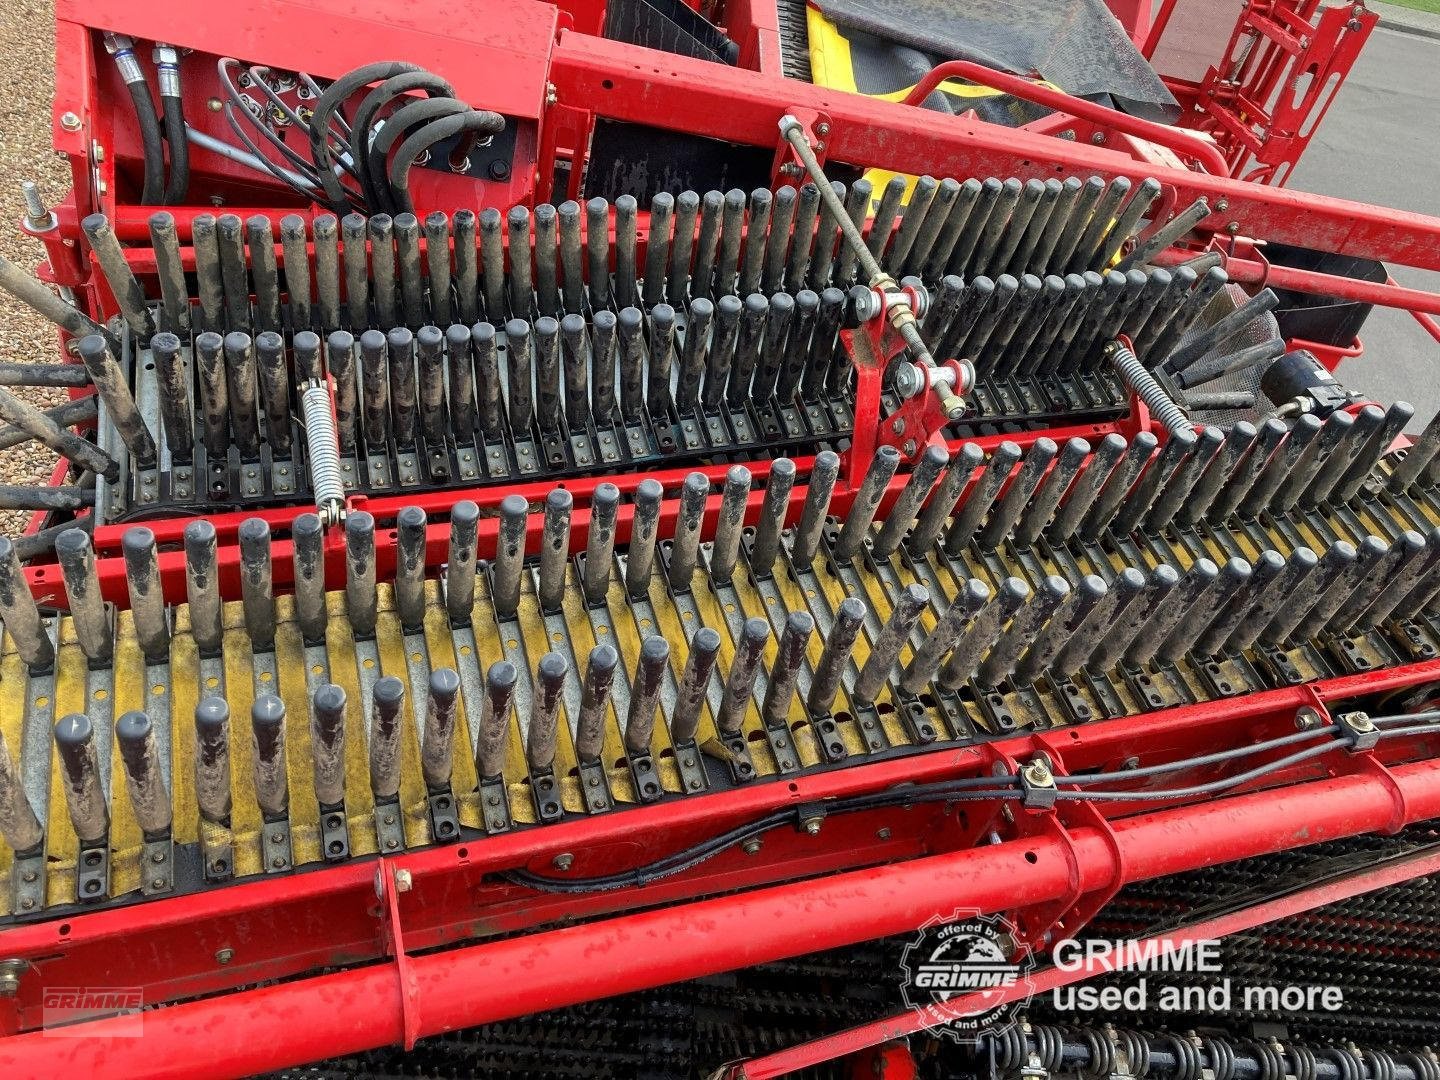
402,122
325,107
237,104
370,108
167,68
474,123
122,49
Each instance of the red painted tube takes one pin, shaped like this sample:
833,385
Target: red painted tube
1311,283
1172,138
344,1013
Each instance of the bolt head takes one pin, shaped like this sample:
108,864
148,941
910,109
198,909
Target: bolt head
69,121
563,862
224,956
752,846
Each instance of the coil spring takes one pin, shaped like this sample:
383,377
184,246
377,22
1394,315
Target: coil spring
322,445
1133,374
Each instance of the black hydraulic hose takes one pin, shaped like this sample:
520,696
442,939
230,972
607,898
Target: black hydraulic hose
123,50
475,122
403,121
328,103
153,190
370,108
167,70
178,188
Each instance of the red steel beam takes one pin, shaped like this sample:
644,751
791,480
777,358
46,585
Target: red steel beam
1181,140
635,85
350,1011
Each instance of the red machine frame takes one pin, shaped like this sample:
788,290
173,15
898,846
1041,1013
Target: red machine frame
400,926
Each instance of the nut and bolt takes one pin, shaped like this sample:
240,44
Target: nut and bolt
563,861
811,825
752,846
1360,722
1307,719
1038,773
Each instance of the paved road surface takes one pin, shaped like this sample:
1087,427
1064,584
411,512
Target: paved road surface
1380,143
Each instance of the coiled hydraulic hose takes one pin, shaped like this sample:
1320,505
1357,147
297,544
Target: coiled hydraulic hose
167,68
326,106
387,92
402,122
122,49
472,123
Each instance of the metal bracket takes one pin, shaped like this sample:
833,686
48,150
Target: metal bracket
595,787
787,167
545,790
334,833
389,828
495,806
1357,729
92,873
444,822
1038,784
157,862
275,850
27,882
645,778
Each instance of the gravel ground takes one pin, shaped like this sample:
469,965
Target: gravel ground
27,87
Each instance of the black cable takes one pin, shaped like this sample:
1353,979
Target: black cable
328,104
969,789
371,106
1195,762
474,122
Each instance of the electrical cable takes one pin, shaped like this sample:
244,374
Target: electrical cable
252,161
966,790
1206,759
283,175
474,122
345,160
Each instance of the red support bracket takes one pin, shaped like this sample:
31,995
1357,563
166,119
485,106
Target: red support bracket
788,169
390,882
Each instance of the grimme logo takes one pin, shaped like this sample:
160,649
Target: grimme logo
63,1006
959,971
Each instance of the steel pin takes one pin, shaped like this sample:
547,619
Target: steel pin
595,703
740,682
500,682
